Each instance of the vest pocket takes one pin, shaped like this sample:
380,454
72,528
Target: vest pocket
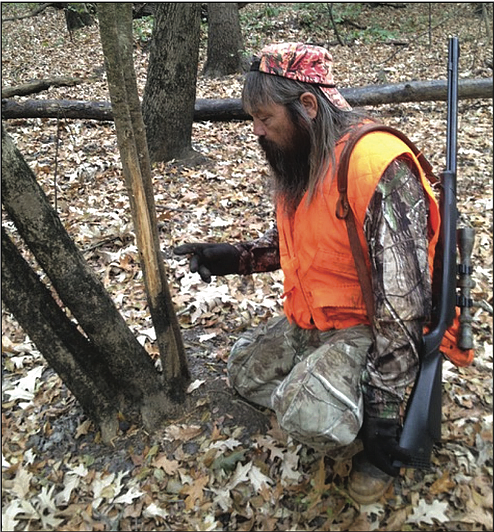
334,281
334,262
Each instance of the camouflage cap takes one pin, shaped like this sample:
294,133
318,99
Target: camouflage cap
302,62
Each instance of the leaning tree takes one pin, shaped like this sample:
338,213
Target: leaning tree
85,339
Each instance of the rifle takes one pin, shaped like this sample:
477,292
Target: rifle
422,425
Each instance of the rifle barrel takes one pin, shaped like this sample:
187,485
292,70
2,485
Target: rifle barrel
452,121
446,303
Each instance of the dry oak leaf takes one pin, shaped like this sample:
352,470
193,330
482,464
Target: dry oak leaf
267,443
258,479
183,433
427,513
320,485
194,492
170,467
477,514
442,485
396,520
22,482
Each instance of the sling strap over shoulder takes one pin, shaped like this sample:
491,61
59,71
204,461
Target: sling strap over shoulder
344,211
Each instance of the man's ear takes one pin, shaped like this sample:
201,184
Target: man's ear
309,101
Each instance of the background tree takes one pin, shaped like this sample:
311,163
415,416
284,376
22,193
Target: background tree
77,14
225,44
170,91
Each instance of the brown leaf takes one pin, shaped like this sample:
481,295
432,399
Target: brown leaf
361,523
194,492
442,485
396,520
170,467
183,433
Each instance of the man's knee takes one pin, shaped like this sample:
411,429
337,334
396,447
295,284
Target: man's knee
320,405
249,374
259,358
319,424
237,366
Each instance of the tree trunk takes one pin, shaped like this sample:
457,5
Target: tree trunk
77,16
79,288
67,351
231,108
143,9
225,45
169,95
116,37
416,91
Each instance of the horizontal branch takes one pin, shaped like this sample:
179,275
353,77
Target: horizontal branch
38,85
231,109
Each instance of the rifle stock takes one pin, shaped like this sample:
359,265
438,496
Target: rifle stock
422,425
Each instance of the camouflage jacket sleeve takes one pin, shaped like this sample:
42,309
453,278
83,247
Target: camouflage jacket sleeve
260,255
396,231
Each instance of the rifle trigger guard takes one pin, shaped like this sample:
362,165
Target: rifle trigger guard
342,207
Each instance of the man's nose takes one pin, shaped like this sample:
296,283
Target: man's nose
259,129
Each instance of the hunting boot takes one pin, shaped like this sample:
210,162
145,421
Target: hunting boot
367,483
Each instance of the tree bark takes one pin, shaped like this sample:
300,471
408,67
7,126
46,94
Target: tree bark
77,16
225,45
143,9
74,358
416,91
116,36
169,95
79,288
231,108
38,85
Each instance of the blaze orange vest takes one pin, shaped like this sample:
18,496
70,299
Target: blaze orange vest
322,288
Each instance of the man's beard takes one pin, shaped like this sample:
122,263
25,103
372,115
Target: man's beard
290,165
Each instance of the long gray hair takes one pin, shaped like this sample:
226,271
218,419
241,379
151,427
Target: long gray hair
330,124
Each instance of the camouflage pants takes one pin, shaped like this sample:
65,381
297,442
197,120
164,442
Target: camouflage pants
310,378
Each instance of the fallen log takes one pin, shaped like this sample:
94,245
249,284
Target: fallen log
38,85
57,109
231,108
416,91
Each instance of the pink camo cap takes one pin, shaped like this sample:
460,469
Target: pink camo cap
302,62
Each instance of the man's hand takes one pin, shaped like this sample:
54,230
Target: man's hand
210,259
381,443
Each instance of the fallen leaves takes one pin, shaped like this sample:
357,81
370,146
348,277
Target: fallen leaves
170,467
210,470
194,492
429,514
183,432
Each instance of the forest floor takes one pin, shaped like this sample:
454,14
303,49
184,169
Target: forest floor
225,464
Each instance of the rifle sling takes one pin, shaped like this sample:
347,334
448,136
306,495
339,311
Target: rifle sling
344,211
